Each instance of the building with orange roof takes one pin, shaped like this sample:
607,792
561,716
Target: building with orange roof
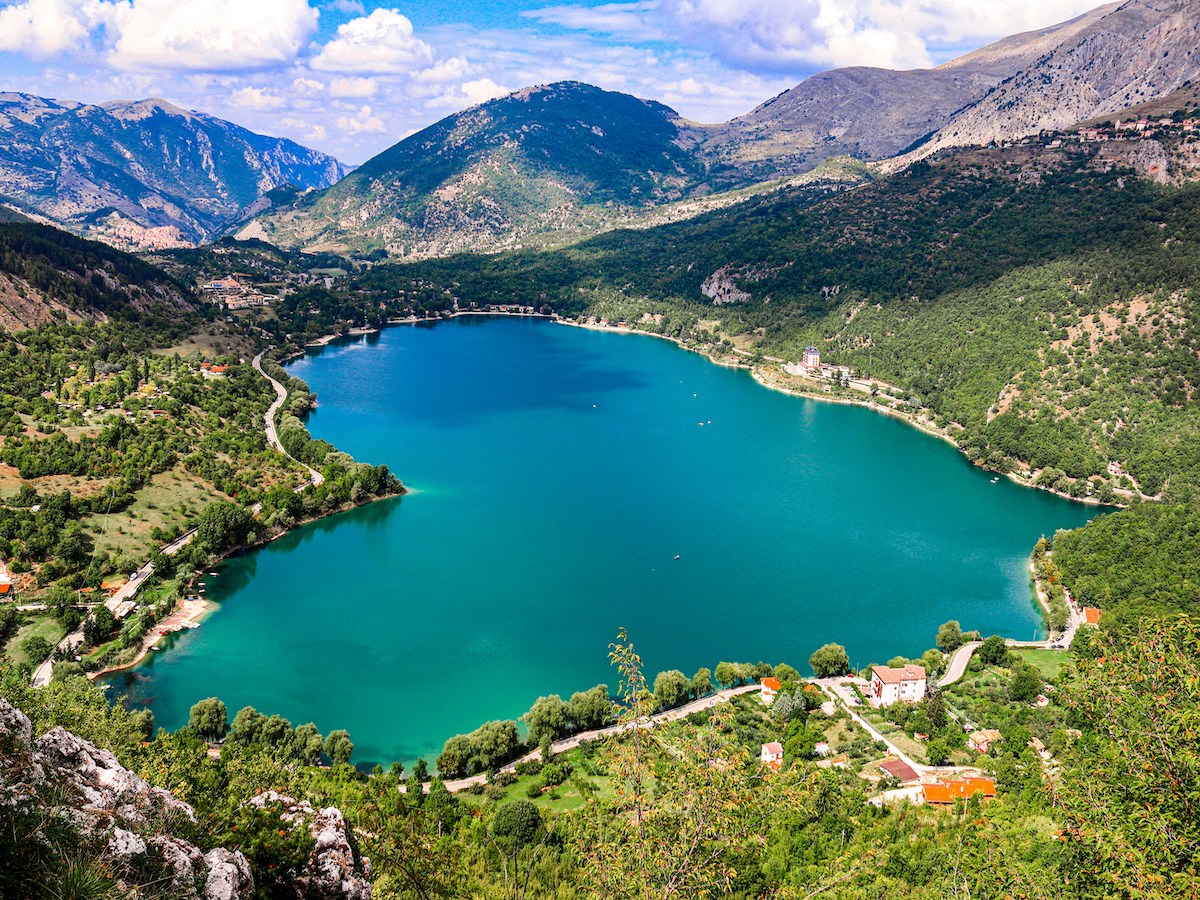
983,740
943,793
5,589
772,755
770,688
1091,615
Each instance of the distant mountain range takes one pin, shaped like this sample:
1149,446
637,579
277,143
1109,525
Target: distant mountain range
568,158
145,173
552,164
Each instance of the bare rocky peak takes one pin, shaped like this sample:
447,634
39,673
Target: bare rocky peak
1020,51
138,110
874,113
1118,56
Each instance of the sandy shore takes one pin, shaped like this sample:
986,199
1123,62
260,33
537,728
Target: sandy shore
186,613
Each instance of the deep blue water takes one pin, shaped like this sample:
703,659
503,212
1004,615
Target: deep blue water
556,475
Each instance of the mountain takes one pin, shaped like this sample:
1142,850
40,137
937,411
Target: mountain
560,156
871,113
557,163
48,275
145,173
1122,55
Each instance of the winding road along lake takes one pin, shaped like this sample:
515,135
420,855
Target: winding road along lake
567,483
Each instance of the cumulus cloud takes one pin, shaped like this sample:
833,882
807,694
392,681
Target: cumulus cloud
631,21
362,122
382,42
354,7
307,87
353,87
210,35
44,28
805,35
257,98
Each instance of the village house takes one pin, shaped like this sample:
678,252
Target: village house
983,740
1037,745
943,793
1091,615
770,688
811,358
772,755
900,770
890,685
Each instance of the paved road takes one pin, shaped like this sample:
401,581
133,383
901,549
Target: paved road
958,663
671,715
269,419
120,604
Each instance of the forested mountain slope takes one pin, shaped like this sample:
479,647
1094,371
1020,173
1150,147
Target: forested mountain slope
1038,302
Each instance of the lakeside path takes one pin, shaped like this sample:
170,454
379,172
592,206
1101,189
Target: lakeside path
958,663
315,477
570,743
119,604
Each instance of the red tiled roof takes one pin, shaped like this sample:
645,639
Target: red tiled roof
774,748
1092,615
896,676
771,683
900,769
949,791
5,587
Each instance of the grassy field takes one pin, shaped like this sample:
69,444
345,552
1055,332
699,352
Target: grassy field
171,497
10,483
44,626
1048,662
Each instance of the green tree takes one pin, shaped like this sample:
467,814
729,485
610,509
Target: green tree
247,726
338,747
547,718
829,660
671,689
726,673
993,651
702,683
934,662
98,626
591,708
517,826
1025,685
209,719
949,636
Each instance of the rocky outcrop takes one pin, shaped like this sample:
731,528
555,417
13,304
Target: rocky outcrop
131,826
1115,57
334,869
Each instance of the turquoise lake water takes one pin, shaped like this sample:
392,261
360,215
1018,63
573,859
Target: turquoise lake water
556,475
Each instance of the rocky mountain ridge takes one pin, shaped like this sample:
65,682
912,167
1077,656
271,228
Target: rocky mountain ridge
1122,55
144,174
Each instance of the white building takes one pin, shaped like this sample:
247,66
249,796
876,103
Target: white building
889,685
772,755
811,358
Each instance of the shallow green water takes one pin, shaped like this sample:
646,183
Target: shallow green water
557,473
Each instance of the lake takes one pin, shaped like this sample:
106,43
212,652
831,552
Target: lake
566,483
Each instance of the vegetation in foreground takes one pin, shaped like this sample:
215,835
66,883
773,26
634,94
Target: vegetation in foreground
689,809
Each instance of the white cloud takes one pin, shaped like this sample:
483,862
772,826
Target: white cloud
453,69
382,42
353,87
804,35
257,98
316,134
632,21
210,35
362,122
307,87
483,89
44,28
354,7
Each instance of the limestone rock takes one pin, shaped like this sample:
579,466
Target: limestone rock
333,870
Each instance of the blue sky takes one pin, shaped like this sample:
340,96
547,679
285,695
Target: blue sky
352,77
